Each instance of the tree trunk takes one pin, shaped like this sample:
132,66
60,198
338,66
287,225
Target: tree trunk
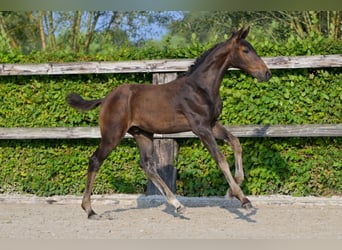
41,30
76,31
337,23
3,29
93,17
51,33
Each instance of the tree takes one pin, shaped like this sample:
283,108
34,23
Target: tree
76,30
75,35
209,24
92,19
41,29
5,32
22,30
274,24
325,23
51,29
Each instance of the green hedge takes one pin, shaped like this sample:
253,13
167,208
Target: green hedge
290,97
293,166
297,166
58,167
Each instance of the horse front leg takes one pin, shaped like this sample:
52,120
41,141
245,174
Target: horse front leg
207,137
221,133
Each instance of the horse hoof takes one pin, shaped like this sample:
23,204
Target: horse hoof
180,210
246,204
93,216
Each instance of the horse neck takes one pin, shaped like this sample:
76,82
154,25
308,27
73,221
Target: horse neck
210,73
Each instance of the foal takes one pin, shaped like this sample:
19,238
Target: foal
189,103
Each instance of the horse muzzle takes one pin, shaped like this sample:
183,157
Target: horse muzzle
263,76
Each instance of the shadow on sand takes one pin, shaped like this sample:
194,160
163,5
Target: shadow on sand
145,202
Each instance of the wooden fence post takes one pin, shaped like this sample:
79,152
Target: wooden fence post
165,150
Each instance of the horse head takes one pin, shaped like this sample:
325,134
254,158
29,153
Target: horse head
244,56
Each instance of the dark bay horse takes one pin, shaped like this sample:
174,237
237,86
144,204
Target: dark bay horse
189,103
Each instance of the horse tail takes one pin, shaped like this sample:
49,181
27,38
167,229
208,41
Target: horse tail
77,102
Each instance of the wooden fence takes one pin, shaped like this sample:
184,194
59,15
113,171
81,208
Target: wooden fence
164,71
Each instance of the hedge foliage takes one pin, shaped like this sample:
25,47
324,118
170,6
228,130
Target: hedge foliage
297,166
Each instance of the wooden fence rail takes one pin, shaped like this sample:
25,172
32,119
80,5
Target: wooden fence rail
308,130
155,66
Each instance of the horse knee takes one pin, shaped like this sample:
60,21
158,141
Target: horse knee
235,144
150,170
94,164
145,162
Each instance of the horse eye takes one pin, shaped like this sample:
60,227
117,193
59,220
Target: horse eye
245,51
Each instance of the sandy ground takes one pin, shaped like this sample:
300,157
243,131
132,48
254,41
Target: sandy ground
148,217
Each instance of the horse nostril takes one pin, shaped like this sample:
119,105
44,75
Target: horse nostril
268,74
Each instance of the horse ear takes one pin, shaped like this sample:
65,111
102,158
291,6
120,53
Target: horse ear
243,33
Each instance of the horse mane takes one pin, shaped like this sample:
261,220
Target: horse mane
199,61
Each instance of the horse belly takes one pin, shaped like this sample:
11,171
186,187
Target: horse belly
154,110
161,122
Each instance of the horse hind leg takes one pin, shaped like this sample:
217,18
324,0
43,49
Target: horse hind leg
145,144
94,166
95,162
